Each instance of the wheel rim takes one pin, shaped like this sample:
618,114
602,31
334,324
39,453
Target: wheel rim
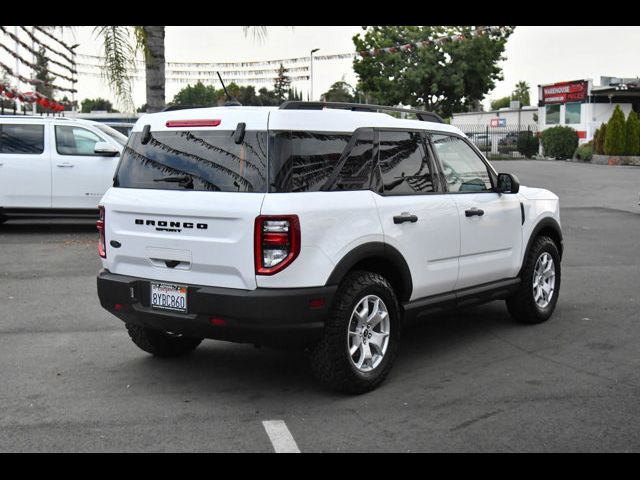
544,280
368,333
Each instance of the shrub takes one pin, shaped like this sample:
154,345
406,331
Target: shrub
614,141
598,141
584,152
632,144
528,144
559,142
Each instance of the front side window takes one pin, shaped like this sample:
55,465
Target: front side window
404,163
72,140
195,160
572,113
463,169
21,139
552,114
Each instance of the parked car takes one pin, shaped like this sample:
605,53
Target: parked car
351,223
481,140
55,166
509,142
122,127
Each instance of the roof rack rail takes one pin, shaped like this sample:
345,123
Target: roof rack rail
33,117
361,107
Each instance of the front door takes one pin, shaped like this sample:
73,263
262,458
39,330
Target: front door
80,177
490,222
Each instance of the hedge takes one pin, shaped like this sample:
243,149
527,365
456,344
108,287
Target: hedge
559,142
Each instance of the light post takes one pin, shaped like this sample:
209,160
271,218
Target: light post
311,74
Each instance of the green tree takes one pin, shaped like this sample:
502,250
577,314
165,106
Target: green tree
632,145
282,83
42,73
598,139
294,95
268,98
196,95
339,92
443,78
91,104
521,93
614,141
500,103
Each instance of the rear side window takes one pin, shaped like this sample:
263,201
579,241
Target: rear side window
195,160
405,166
21,138
314,161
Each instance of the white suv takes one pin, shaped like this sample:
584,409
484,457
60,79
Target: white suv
321,225
55,165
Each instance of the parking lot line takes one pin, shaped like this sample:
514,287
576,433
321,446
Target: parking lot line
280,436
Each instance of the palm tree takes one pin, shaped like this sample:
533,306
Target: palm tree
120,55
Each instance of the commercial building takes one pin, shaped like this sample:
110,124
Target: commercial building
583,106
503,118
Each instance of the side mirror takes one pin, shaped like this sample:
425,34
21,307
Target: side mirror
105,149
508,183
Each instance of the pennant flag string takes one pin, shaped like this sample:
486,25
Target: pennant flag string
48,47
42,30
33,66
35,81
34,52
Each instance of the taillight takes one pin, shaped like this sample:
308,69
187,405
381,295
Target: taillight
102,249
276,242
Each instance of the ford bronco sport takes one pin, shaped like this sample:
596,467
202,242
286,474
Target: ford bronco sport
321,225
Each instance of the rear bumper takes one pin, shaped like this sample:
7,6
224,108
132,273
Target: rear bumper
263,316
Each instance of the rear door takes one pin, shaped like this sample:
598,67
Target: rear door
417,218
25,169
80,177
185,200
490,223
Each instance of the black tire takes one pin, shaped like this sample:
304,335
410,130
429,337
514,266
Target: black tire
522,305
161,344
330,358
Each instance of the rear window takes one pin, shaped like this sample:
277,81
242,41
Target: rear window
21,138
197,160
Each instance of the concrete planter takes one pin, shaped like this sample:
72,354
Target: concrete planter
615,160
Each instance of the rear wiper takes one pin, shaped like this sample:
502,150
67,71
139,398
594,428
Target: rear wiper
182,179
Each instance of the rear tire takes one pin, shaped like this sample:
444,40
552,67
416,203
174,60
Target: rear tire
360,339
161,344
536,298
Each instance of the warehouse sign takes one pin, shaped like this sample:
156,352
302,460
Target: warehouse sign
565,92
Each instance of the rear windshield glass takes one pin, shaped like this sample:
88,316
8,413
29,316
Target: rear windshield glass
197,160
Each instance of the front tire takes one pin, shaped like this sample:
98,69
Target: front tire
360,339
161,344
536,298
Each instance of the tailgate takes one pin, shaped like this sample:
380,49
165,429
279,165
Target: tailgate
182,236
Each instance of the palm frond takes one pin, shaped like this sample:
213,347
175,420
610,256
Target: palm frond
120,54
259,34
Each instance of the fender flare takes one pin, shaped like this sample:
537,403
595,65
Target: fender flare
546,222
374,250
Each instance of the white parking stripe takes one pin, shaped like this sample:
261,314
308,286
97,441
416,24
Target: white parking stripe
280,436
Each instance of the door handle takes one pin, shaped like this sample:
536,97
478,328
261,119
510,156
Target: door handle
474,212
405,217
65,165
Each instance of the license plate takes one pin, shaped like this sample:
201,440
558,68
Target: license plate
166,296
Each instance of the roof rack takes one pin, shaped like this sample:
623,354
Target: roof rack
33,117
361,107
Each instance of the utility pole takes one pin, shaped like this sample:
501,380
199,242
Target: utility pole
311,74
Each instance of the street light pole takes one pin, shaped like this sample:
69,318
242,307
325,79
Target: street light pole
311,74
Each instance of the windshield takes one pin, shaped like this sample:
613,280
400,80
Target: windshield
195,160
116,135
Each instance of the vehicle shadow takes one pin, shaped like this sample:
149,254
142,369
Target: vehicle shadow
221,367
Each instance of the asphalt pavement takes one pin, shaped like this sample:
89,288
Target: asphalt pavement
466,381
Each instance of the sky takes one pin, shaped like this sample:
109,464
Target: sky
537,55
